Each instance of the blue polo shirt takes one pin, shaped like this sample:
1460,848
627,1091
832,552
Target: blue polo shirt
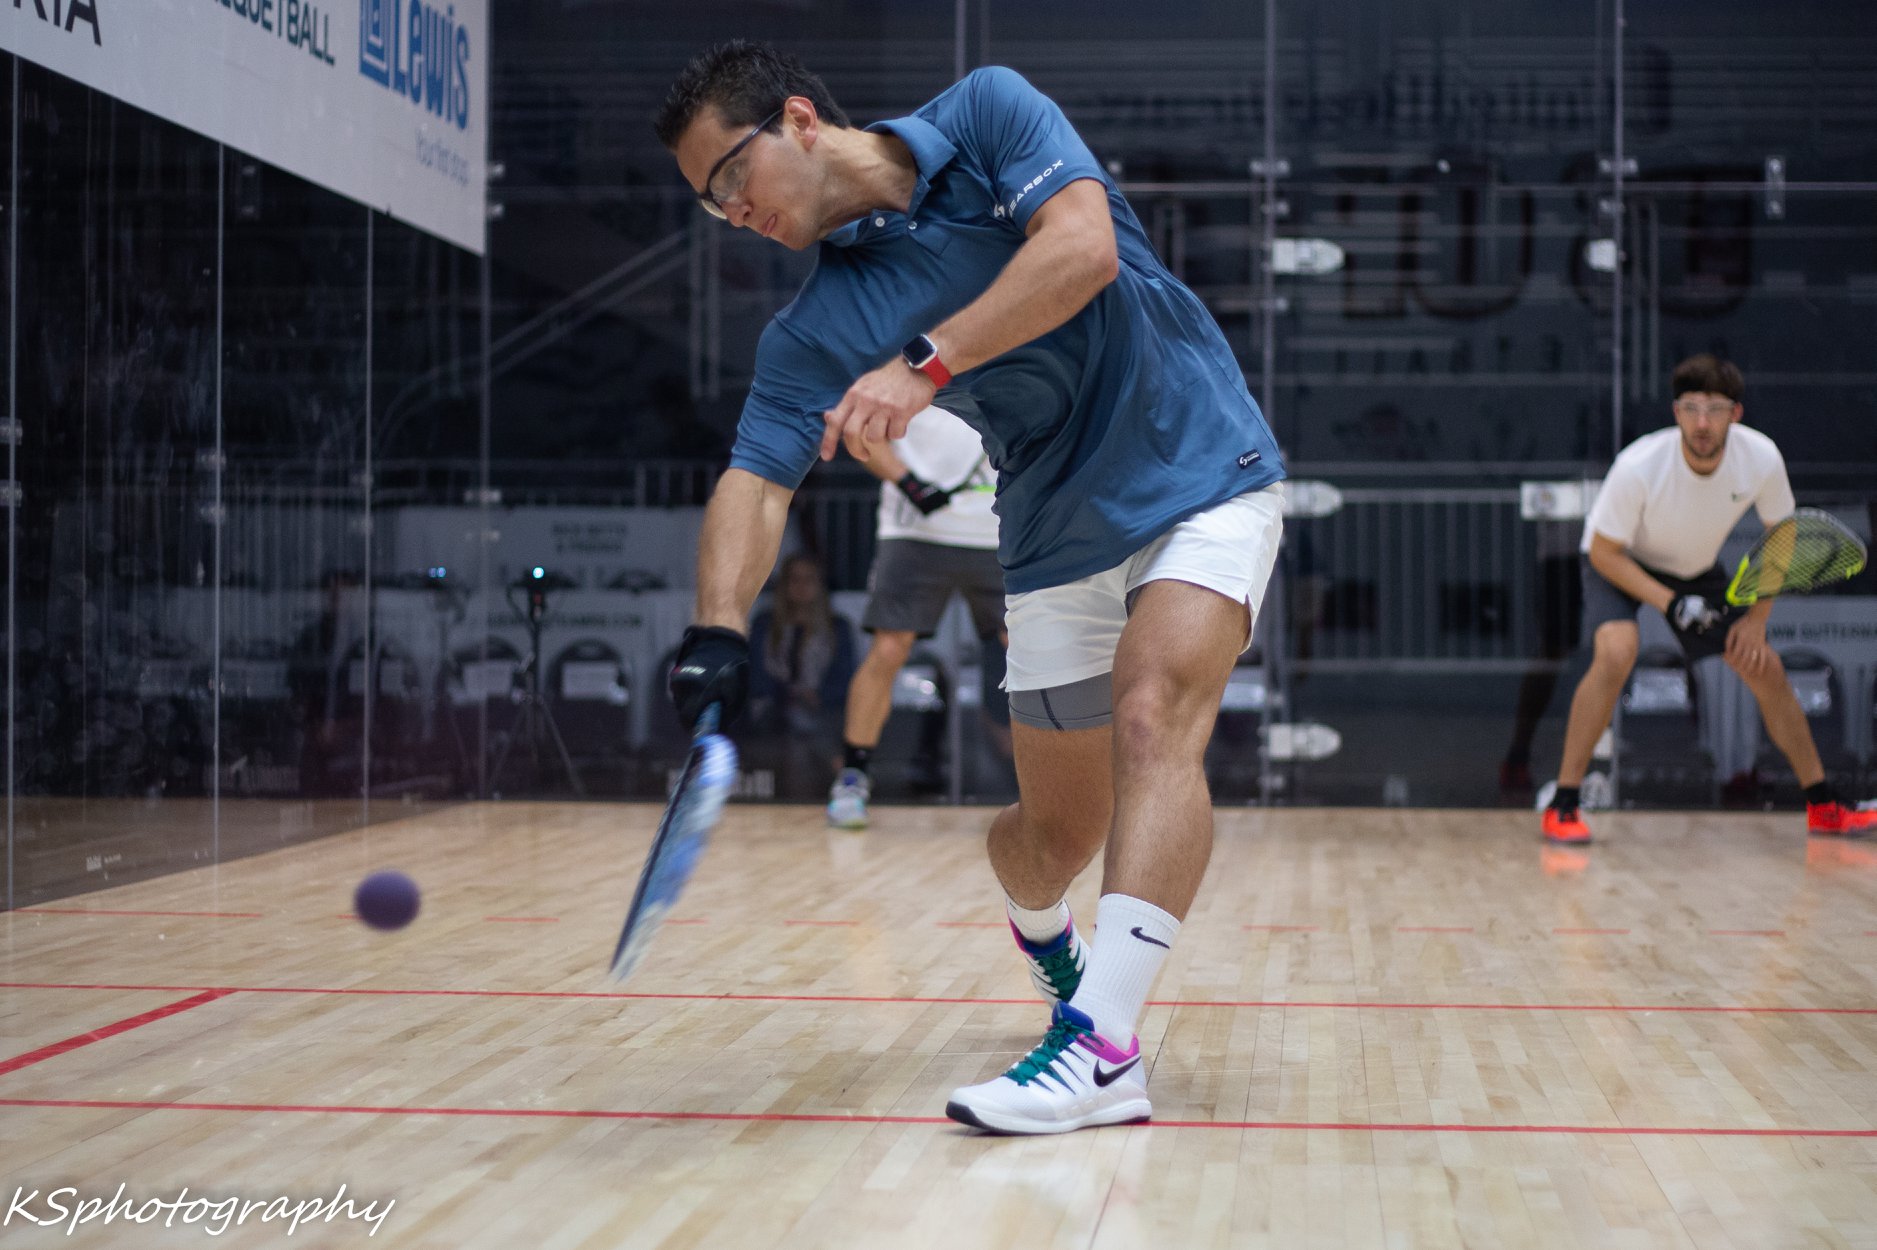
1105,433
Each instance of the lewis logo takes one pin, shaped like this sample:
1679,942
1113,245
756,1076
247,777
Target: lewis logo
417,50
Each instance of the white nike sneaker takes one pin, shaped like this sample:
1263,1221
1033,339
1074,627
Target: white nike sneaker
847,800
1055,967
1075,1078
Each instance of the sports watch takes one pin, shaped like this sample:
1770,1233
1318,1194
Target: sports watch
922,355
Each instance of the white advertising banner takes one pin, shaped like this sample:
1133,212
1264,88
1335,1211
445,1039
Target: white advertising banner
383,101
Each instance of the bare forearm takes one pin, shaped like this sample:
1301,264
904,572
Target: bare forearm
1063,265
742,532
1067,259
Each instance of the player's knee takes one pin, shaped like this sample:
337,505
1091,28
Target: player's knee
1614,649
1150,718
1761,678
891,647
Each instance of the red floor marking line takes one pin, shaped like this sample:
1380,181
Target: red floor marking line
521,920
110,1030
1578,931
822,922
100,911
1434,928
1258,1003
757,1117
1746,933
1599,1130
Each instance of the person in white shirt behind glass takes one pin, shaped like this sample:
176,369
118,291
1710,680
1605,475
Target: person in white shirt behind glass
1654,537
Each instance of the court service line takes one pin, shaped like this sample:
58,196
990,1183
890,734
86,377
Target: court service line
1032,1001
733,1117
110,1030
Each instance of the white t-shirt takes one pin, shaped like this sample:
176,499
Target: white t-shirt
1674,520
942,450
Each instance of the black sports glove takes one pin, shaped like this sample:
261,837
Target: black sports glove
712,666
1691,614
924,496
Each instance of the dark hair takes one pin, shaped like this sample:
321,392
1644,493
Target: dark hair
1708,375
744,82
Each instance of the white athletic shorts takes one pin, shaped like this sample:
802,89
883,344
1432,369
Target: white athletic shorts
1069,633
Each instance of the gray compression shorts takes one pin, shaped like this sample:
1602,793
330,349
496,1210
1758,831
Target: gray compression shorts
1085,704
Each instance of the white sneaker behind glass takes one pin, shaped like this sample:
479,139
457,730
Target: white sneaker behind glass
847,801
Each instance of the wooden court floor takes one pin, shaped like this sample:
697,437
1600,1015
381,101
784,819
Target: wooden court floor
1379,1028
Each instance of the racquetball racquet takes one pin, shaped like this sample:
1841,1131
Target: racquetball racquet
1807,550
696,802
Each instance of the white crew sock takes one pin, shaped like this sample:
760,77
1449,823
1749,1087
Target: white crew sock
1132,939
1041,927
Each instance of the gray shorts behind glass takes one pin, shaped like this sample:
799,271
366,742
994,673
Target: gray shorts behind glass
912,581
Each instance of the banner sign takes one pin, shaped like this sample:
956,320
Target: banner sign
383,101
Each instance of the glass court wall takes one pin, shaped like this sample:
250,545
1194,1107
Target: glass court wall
312,518
197,662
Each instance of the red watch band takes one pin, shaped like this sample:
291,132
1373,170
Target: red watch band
921,353
935,369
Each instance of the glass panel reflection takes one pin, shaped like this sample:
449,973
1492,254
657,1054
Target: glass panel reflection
302,673
115,719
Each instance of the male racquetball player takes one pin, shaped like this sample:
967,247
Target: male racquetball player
1139,492
1653,537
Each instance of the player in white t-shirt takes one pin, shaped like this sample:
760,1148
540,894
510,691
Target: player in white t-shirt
1653,537
937,537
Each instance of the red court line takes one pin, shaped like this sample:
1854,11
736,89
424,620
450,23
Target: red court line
1746,933
110,1030
1579,931
521,920
1258,1003
822,922
731,1117
1434,928
100,911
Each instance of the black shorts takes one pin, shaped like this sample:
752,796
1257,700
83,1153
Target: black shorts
1604,602
912,581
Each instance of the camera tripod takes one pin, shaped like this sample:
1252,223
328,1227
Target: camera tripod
534,720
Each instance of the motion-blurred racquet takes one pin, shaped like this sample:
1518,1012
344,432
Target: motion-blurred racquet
696,802
1807,550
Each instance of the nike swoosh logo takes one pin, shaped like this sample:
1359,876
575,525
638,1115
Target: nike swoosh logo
1108,1076
1136,931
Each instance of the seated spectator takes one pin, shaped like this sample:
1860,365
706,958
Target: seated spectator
803,657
